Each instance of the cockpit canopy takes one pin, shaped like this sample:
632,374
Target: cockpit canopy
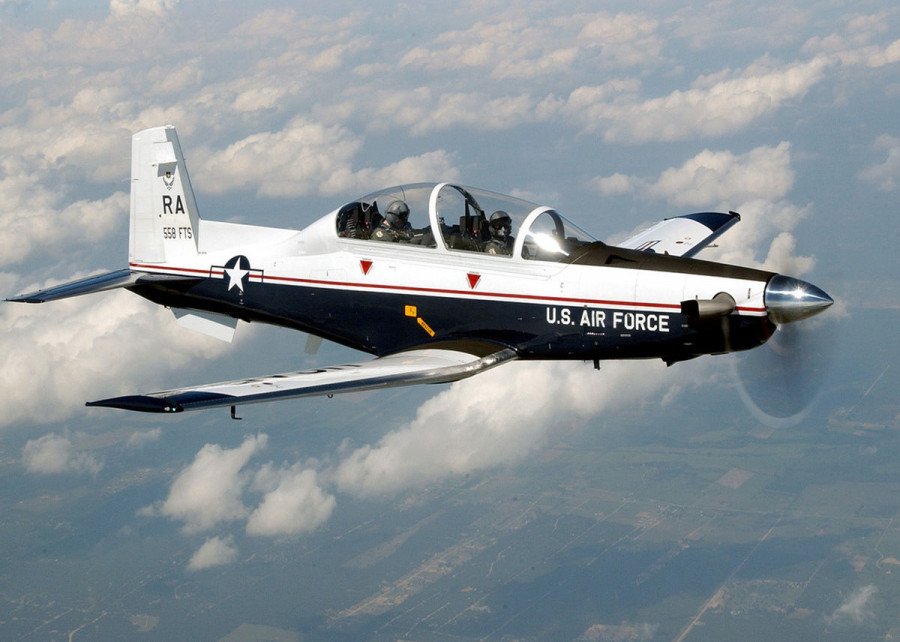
452,218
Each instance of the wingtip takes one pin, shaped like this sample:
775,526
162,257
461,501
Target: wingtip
139,403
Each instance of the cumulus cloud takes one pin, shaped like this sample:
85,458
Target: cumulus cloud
58,355
307,157
37,217
141,438
290,162
886,175
209,491
293,502
712,177
495,419
215,551
513,44
754,184
54,454
156,7
857,608
624,39
714,106
614,185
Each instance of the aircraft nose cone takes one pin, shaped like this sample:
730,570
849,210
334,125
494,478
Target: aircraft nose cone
789,299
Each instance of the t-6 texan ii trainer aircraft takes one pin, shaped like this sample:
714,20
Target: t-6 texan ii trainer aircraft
438,281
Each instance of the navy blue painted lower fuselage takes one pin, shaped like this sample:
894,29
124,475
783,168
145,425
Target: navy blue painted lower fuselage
386,322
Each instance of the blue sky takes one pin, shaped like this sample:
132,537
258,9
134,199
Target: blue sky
617,116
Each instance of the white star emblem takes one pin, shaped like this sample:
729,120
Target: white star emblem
236,276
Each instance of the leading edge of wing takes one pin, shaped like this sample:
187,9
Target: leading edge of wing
97,283
427,365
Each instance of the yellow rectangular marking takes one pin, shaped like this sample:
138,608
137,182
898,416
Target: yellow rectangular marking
411,311
425,327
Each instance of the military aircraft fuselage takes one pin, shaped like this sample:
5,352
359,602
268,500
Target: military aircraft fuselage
597,302
439,281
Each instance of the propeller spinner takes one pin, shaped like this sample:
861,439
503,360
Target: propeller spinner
789,299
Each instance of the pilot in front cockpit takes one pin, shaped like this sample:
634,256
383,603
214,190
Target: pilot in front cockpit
501,241
395,225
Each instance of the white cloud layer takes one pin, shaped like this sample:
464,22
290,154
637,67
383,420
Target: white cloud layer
38,218
712,177
57,355
495,419
712,107
308,158
54,454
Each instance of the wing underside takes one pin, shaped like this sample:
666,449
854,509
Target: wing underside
428,365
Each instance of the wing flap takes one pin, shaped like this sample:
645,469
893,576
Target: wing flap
427,365
683,235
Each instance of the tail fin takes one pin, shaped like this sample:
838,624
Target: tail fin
164,217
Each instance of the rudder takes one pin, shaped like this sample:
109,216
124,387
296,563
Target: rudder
164,217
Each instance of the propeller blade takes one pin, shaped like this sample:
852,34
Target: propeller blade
781,381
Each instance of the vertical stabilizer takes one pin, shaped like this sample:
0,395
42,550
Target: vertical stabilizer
164,218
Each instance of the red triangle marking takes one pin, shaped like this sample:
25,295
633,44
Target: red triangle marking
366,266
473,279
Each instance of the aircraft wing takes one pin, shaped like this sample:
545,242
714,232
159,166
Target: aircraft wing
682,235
428,365
98,283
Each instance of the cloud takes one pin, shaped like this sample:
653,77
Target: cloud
156,7
495,419
57,355
309,158
857,608
37,218
293,503
614,185
140,438
516,44
885,176
294,161
215,551
209,491
54,454
714,106
711,177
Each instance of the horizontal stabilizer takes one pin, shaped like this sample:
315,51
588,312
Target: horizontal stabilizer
98,283
683,235
401,369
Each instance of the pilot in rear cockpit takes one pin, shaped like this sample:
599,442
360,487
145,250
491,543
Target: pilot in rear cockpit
501,241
